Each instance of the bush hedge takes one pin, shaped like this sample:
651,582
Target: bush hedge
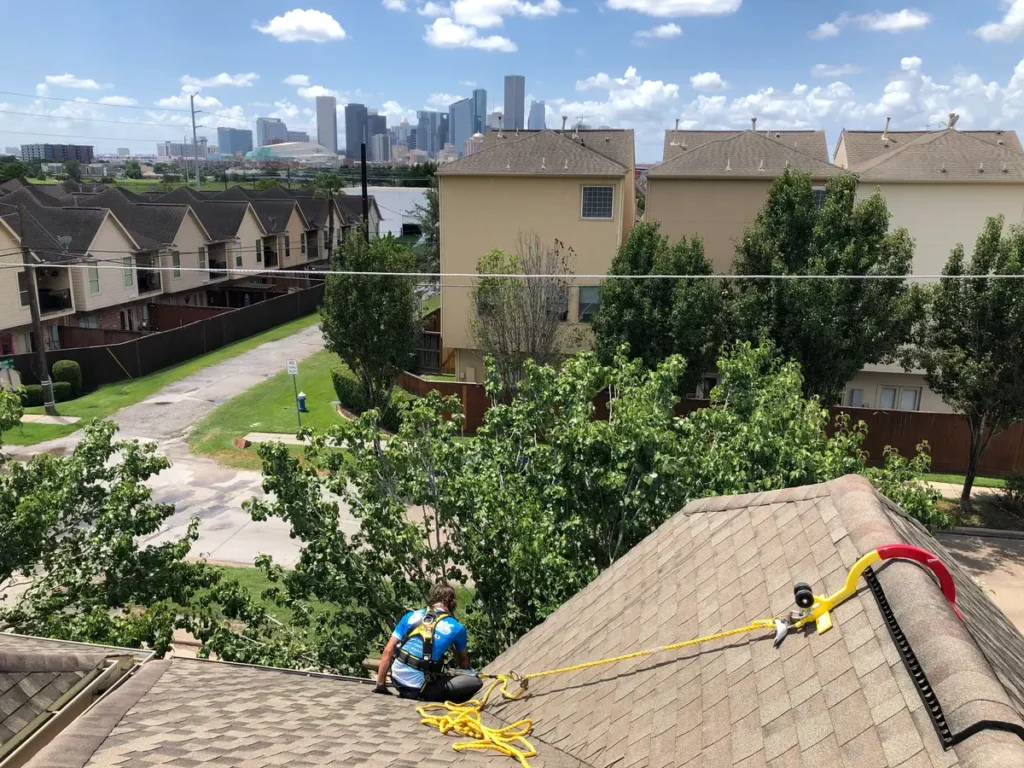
351,396
32,394
63,391
71,372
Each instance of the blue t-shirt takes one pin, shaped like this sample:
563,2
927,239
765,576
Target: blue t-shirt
447,633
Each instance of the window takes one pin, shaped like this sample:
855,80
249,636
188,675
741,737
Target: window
558,304
589,303
597,202
302,243
901,398
7,344
176,263
88,321
126,270
238,254
94,277
327,240
287,246
819,196
259,251
54,337
855,398
705,385
202,257
23,288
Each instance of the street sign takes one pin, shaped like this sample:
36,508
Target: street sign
7,364
293,367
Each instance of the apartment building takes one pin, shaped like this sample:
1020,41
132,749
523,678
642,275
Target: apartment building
576,187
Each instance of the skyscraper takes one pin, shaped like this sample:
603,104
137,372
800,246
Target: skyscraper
443,131
515,102
461,121
327,122
479,112
268,129
380,148
355,129
234,140
426,132
375,125
298,136
537,122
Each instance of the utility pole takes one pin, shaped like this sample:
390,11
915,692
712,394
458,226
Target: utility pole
184,157
195,144
37,324
366,199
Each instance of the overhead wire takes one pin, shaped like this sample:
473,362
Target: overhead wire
82,119
97,103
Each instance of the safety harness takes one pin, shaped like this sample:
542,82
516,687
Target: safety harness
424,630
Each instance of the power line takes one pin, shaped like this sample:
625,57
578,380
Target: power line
90,138
97,103
83,119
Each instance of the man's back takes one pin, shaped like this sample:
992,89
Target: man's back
448,632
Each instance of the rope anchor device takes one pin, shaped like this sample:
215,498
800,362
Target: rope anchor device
512,740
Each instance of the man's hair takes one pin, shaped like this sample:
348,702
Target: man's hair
443,594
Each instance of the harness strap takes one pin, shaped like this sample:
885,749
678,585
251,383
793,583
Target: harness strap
424,630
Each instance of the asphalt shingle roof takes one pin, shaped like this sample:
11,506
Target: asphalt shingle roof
862,146
811,143
46,225
748,154
542,153
156,224
945,156
274,214
32,194
615,144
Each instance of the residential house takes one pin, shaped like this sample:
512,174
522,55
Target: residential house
316,210
352,209
576,187
714,183
900,679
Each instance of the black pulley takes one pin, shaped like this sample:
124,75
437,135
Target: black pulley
804,595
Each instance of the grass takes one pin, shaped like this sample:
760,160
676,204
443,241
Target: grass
979,482
986,512
450,377
268,407
112,397
431,303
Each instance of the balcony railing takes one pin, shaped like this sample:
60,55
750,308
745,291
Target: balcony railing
54,300
218,270
269,259
149,281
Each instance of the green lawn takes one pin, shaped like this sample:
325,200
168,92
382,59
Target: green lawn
431,303
268,407
980,482
112,397
986,512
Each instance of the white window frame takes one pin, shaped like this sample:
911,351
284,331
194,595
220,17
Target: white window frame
589,317
127,271
23,295
899,392
259,251
302,243
203,260
238,253
93,276
583,194
850,398
176,263
819,188
287,245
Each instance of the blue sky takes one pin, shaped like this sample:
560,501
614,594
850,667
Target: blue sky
638,64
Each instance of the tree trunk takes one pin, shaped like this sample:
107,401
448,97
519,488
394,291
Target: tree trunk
330,226
977,449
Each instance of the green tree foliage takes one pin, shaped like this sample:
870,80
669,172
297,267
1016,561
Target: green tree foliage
328,186
658,318
132,169
13,170
262,184
541,501
372,322
428,216
73,169
831,327
971,340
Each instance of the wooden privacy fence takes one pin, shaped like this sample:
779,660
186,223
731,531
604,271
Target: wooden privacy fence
152,352
947,433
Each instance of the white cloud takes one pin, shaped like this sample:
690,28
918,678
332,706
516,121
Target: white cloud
303,25
312,91
708,81
285,110
668,8
434,10
901,21
910,63
42,89
441,101
395,5
491,13
70,81
1010,28
181,101
118,101
297,80
240,80
660,32
445,33
834,70
468,83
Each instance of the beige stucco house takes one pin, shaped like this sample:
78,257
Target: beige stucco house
713,183
573,186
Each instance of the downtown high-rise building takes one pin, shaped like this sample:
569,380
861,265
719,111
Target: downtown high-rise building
427,131
299,136
234,141
536,121
479,111
380,148
327,122
443,131
515,102
355,129
375,125
461,122
270,130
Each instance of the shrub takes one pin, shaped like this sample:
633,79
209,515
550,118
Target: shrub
71,372
31,395
1013,494
62,391
348,389
392,418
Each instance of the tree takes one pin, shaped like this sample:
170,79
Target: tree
971,340
160,168
523,318
132,169
659,318
429,218
831,327
372,322
73,169
13,170
262,184
329,186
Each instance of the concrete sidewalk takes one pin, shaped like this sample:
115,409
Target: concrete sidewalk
953,490
998,567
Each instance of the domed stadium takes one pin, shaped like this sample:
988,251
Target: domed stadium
293,151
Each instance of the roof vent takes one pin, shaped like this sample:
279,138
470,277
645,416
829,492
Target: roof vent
500,134
1005,169
508,166
787,164
885,131
778,135
566,168
943,168
981,167
728,165
753,123
953,117
543,163
999,132
683,145
761,166
1000,142
564,119
677,123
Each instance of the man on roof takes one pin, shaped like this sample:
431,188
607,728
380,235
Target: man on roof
415,653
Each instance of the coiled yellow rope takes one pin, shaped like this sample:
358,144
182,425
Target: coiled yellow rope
511,741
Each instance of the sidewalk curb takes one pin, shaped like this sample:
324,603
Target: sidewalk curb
984,533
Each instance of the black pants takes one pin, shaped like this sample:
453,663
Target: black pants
455,688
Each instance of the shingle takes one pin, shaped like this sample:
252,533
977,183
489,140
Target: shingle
616,145
545,153
945,156
862,146
811,143
45,225
744,155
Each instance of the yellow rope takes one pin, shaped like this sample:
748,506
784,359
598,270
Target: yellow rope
511,741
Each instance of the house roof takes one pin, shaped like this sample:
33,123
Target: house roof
232,193
945,156
540,153
222,218
12,184
45,225
274,214
351,206
862,146
748,154
30,193
811,143
615,144
154,225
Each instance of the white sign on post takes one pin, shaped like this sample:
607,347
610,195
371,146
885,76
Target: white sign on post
293,367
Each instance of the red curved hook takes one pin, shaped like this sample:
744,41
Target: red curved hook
930,561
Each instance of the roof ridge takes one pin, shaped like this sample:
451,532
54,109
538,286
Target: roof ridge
740,136
931,137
